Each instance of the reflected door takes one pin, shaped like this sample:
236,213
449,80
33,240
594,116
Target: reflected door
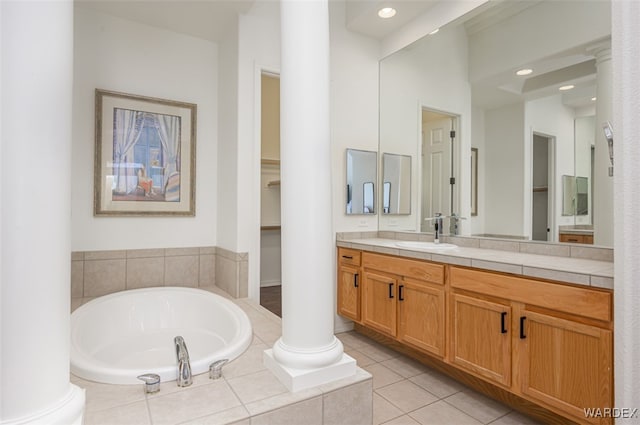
436,168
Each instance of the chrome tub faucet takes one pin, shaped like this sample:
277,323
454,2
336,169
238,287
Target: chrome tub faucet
183,378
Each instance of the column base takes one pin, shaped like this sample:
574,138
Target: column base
300,379
68,411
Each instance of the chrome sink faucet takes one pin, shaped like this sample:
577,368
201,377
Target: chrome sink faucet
454,222
438,226
183,378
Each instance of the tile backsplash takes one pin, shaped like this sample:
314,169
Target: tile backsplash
96,273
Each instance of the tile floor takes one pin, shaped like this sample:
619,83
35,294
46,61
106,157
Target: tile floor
404,391
407,392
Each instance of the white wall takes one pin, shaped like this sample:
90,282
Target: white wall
120,55
354,112
504,156
434,75
227,202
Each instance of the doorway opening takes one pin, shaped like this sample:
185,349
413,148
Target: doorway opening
542,196
437,169
270,241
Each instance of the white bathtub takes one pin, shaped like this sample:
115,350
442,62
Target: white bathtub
117,337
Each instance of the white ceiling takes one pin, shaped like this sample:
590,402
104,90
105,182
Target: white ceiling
362,15
206,19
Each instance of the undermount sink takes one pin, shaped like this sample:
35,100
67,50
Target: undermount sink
425,245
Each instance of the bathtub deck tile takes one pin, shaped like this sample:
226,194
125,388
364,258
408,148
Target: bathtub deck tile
130,414
101,397
256,386
192,403
229,416
249,362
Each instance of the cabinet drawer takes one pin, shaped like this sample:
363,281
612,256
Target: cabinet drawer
584,302
349,256
573,238
416,269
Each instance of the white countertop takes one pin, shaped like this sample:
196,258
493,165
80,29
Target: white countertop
565,269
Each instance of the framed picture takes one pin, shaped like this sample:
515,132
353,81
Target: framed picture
474,181
145,156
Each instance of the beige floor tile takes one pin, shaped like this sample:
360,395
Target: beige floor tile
361,359
478,406
442,413
407,396
405,366
382,376
377,352
402,420
256,386
437,384
191,403
383,410
128,414
515,418
353,339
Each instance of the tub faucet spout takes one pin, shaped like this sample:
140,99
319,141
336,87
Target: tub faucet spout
184,366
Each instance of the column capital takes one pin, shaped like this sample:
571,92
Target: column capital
601,51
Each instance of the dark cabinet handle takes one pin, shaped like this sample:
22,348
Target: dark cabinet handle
522,319
391,290
400,297
348,257
355,280
503,325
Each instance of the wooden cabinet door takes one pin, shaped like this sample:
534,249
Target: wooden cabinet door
480,337
565,364
421,319
379,302
349,292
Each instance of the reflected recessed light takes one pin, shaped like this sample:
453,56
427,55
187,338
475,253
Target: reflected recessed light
387,12
567,87
594,98
525,71
435,31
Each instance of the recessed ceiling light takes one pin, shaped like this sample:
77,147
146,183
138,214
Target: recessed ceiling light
594,98
387,12
567,87
525,71
435,31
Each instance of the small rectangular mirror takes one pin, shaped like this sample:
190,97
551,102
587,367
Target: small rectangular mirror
362,172
396,181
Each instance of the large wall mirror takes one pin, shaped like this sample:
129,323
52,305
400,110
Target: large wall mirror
362,175
525,86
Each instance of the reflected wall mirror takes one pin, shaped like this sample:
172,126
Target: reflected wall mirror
396,183
362,174
532,127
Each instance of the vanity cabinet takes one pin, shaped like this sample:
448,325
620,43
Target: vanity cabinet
548,342
349,283
405,299
480,337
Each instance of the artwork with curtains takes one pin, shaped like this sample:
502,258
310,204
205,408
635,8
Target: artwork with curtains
145,156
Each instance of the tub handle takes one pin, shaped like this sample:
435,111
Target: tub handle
151,382
215,368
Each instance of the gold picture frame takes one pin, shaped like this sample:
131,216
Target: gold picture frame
145,156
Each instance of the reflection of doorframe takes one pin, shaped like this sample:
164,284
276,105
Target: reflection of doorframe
454,162
551,185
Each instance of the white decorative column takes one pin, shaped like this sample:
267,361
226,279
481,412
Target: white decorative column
603,183
626,136
35,201
307,354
